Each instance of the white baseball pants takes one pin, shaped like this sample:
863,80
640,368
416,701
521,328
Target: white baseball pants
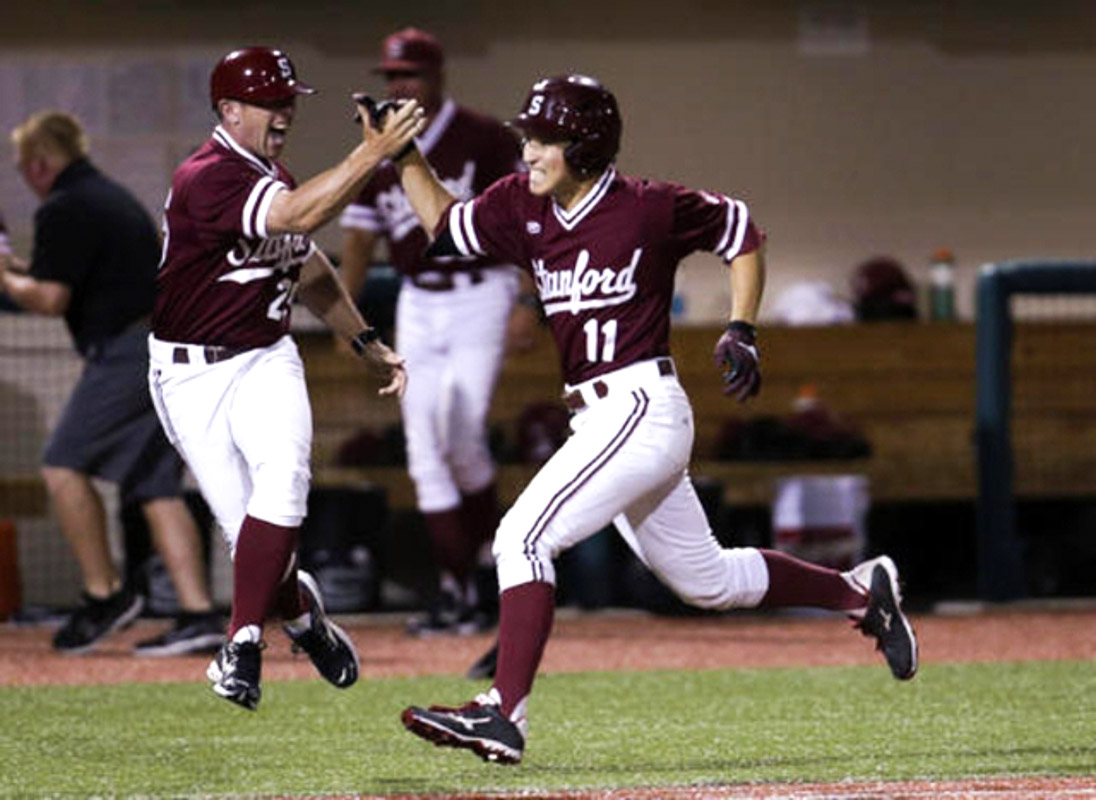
453,342
628,458
243,426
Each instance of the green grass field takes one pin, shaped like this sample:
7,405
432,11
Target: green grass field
590,730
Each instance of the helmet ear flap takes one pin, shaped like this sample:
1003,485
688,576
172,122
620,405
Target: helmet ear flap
581,155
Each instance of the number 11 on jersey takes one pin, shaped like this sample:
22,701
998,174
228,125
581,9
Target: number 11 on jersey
608,334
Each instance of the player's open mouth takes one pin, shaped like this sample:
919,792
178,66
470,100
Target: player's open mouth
276,134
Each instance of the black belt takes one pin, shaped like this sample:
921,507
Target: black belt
443,281
576,402
211,353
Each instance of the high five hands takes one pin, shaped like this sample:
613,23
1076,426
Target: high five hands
391,125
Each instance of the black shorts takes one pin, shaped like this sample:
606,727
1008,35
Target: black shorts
109,427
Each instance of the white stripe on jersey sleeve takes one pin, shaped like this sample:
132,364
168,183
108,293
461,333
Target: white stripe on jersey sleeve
455,229
470,229
249,206
361,217
738,220
264,207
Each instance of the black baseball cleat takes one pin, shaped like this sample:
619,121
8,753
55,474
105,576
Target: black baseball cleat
235,673
97,618
193,632
883,618
478,726
327,644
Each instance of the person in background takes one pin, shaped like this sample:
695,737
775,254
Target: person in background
94,262
452,324
603,248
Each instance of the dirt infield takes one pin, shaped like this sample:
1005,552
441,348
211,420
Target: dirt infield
632,641
604,641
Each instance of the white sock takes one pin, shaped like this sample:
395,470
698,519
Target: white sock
248,633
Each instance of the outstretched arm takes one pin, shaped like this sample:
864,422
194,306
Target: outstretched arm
427,195
319,199
324,294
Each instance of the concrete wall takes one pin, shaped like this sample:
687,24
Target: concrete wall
850,128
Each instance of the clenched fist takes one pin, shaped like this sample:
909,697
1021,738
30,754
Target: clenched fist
736,354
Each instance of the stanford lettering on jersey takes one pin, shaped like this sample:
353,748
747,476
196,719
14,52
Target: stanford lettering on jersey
278,252
582,288
224,281
605,269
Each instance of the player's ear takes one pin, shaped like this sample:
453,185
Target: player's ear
228,110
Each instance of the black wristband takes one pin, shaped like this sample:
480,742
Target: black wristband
364,338
743,327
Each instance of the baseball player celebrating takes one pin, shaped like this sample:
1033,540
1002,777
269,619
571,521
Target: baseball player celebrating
603,248
226,377
451,323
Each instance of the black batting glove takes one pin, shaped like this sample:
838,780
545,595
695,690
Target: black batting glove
736,354
378,110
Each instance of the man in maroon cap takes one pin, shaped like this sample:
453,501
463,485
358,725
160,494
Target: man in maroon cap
452,326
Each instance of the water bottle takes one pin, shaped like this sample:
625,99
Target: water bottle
942,286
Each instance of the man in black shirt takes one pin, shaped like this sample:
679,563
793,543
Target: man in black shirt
94,262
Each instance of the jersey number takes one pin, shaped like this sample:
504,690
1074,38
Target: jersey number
608,335
279,306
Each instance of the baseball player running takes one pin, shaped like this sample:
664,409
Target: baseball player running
451,325
603,248
225,375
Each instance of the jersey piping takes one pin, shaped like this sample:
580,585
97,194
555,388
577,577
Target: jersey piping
262,195
570,219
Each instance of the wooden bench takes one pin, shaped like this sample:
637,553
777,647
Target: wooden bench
908,386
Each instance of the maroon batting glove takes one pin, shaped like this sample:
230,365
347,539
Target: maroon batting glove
736,354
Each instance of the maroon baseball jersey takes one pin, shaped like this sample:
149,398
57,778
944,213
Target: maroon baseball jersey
604,270
469,152
223,280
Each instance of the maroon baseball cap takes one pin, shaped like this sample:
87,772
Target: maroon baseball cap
410,50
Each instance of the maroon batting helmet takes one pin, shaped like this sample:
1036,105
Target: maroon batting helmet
258,76
575,109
